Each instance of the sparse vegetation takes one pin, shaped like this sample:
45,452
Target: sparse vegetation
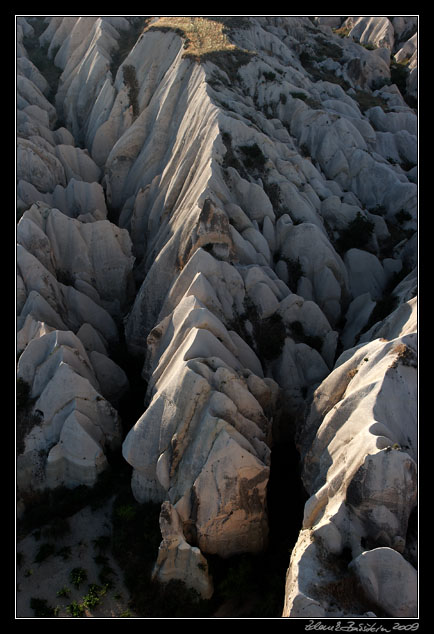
342,31
75,609
202,35
399,73
300,336
77,576
352,373
295,272
327,49
207,39
126,42
404,356
269,76
38,55
273,192
356,235
94,596
65,277
269,335
313,103
402,216
382,309
253,157
130,79
63,592
310,61
367,100
230,158
304,150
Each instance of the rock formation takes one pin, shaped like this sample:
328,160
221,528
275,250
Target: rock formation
234,200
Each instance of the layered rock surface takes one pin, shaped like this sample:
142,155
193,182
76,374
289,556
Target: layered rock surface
246,214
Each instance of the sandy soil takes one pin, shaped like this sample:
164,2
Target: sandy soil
43,580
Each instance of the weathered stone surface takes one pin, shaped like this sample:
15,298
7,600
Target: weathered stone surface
74,423
197,382
359,449
376,31
96,253
366,275
230,183
389,581
177,559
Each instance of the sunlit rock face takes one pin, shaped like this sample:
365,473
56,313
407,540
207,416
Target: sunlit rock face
233,203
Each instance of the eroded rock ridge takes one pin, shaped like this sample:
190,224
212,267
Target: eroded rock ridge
236,199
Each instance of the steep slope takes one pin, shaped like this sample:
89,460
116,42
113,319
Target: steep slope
237,199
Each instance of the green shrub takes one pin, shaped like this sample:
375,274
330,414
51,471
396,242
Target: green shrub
93,597
230,158
313,103
398,75
273,192
356,235
295,272
300,336
77,576
402,216
75,609
269,334
65,277
63,592
269,76
304,150
253,157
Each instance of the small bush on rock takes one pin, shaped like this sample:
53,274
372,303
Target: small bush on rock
77,576
270,336
356,235
130,80
253,157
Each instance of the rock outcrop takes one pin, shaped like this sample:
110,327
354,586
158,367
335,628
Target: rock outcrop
234,201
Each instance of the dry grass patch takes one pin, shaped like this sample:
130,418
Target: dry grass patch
206,39
202,35
404,355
